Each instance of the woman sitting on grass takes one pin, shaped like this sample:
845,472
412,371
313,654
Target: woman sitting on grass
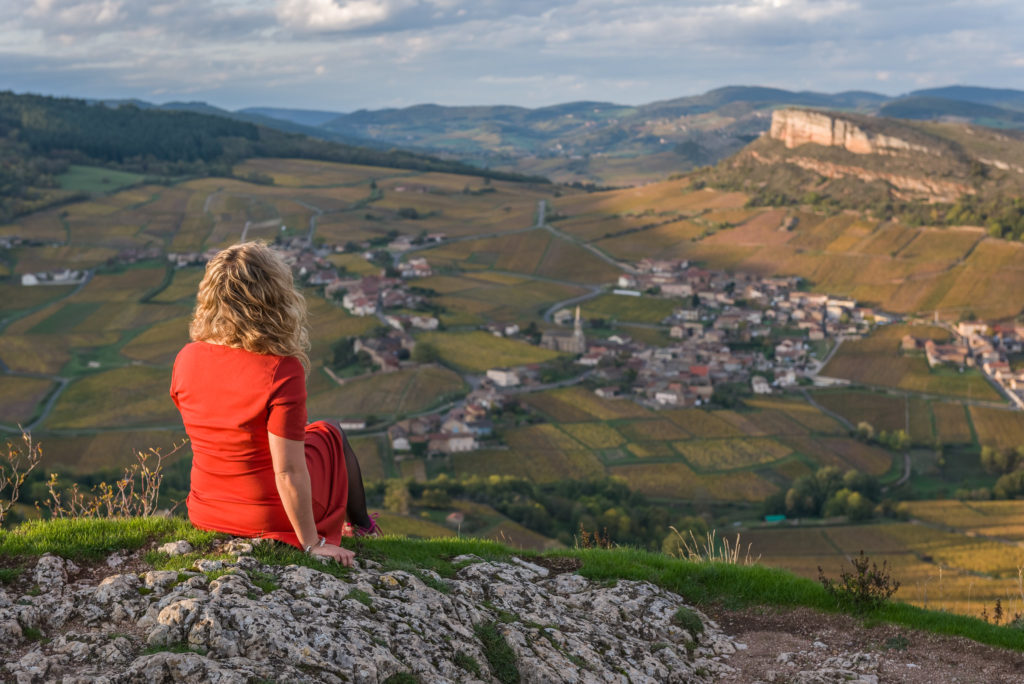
257,469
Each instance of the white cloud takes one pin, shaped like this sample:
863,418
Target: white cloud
392,52
332,15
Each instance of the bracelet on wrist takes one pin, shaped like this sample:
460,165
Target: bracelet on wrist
309,547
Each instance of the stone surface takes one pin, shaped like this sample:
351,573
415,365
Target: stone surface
300,624
176,548
166,626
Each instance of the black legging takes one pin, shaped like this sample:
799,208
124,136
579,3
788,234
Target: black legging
355,510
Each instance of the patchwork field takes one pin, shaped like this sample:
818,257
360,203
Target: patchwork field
477,351
951,560
383,394
998,428
877,361
681,454
625,308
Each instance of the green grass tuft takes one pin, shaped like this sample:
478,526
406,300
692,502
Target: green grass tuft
689,620
8,575
175,648
263,580
467,663
361,596
498,653
32,634
402,678
95,538
163,561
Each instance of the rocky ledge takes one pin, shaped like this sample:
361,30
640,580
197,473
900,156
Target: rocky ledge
242,621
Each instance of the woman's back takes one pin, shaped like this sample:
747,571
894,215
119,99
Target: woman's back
229,398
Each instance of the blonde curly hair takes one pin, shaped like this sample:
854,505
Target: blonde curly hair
248,299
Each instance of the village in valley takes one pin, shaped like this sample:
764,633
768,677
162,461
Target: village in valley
729,330
730,333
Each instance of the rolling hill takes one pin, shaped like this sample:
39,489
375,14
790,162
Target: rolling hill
925,173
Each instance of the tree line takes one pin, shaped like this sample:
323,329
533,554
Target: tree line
40,136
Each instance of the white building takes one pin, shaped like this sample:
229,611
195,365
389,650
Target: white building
503,377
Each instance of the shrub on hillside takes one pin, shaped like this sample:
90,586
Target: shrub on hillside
866,588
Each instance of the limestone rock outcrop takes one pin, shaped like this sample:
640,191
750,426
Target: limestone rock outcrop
243,621
795,127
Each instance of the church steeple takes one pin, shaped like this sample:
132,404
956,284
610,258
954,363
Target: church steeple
579,340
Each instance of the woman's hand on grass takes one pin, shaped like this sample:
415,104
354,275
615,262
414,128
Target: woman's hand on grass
335,553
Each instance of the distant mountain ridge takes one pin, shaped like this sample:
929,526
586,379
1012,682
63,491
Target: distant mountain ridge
607,143
581,140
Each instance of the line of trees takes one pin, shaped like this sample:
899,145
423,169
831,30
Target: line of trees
40,136
555,509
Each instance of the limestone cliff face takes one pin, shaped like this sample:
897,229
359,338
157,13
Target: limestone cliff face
904,170
795,127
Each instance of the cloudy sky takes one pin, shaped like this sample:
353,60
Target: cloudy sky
343,55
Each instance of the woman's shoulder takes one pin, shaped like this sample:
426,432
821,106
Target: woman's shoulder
210,350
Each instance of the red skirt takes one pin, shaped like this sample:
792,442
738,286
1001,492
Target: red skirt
328,479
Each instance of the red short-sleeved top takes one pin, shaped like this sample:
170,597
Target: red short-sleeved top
229,399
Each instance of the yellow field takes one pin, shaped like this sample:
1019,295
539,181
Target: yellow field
159,343
116,398
951,423
564,260
731,454
311,173
183,287
34,353
802,412
651,430
881,411
997,427
477,351
83,454
371,463
653,450
876,361
700,423
914,553
594,435
409,526
354,263
678,481
383,394
14,297
19,398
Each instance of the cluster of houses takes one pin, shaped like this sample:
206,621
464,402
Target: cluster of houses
367,295
460,429
62,277
981,345
363,296
721,320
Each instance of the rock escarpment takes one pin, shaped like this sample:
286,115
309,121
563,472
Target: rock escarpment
242,621
836,146
307,625
795,127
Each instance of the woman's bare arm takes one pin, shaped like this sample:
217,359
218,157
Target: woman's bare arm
292,478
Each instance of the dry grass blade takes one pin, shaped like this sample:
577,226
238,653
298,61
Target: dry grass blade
136,493
712,549
16,462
